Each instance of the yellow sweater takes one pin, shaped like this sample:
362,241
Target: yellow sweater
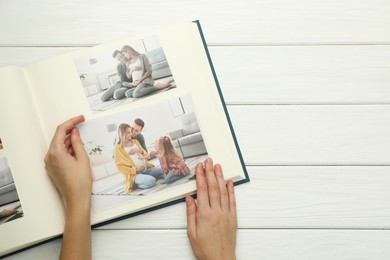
126,166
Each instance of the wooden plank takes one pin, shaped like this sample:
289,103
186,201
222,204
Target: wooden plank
279,74
304,74
45,22
296,197
313,135
251,244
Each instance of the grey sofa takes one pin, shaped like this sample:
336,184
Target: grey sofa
160,66
188,140
8,192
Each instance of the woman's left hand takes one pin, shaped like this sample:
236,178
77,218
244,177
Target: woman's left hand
134,151
68,164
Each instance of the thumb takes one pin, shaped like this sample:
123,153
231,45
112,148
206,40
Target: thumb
77,144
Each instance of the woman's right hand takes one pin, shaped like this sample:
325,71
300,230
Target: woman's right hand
136,82
141,169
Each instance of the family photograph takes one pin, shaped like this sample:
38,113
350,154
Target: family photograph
10,206
143,151
124,74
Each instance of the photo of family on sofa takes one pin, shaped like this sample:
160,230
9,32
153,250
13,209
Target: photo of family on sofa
10,207
141,70
155,151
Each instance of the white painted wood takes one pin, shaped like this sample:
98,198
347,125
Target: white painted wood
278,62
45,22
296,197
279,74
313,135
252,244
304,74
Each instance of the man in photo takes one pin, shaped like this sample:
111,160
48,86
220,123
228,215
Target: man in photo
119,89
137,127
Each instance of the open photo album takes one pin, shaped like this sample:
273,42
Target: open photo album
153,109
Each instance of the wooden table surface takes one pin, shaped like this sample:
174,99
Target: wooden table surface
307,84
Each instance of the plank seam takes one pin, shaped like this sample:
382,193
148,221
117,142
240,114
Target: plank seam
209,45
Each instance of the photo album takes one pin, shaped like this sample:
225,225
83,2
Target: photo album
153,110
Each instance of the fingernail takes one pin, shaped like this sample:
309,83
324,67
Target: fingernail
200,166
188,200
75,131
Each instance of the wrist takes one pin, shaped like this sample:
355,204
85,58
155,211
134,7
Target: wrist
78,204
224,257
78,216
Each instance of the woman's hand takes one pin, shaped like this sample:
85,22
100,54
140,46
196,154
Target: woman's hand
141,169
68,164
212,221
136,82
7,212
134,151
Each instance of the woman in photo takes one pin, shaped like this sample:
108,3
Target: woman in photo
140,70
171,162
130,160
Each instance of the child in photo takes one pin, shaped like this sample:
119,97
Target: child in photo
171,162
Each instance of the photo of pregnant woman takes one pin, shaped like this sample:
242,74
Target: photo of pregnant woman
124,73
143,152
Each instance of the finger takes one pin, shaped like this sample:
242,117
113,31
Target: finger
222,187
232,199
67,142
64,129
212,184
77,144
71,152
203,197
191,217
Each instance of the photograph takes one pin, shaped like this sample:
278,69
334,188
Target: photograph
143,151
125,73
10,207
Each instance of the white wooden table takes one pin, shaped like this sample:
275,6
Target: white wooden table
307,85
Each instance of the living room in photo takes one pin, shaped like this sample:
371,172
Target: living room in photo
173,120
124,73
10,207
